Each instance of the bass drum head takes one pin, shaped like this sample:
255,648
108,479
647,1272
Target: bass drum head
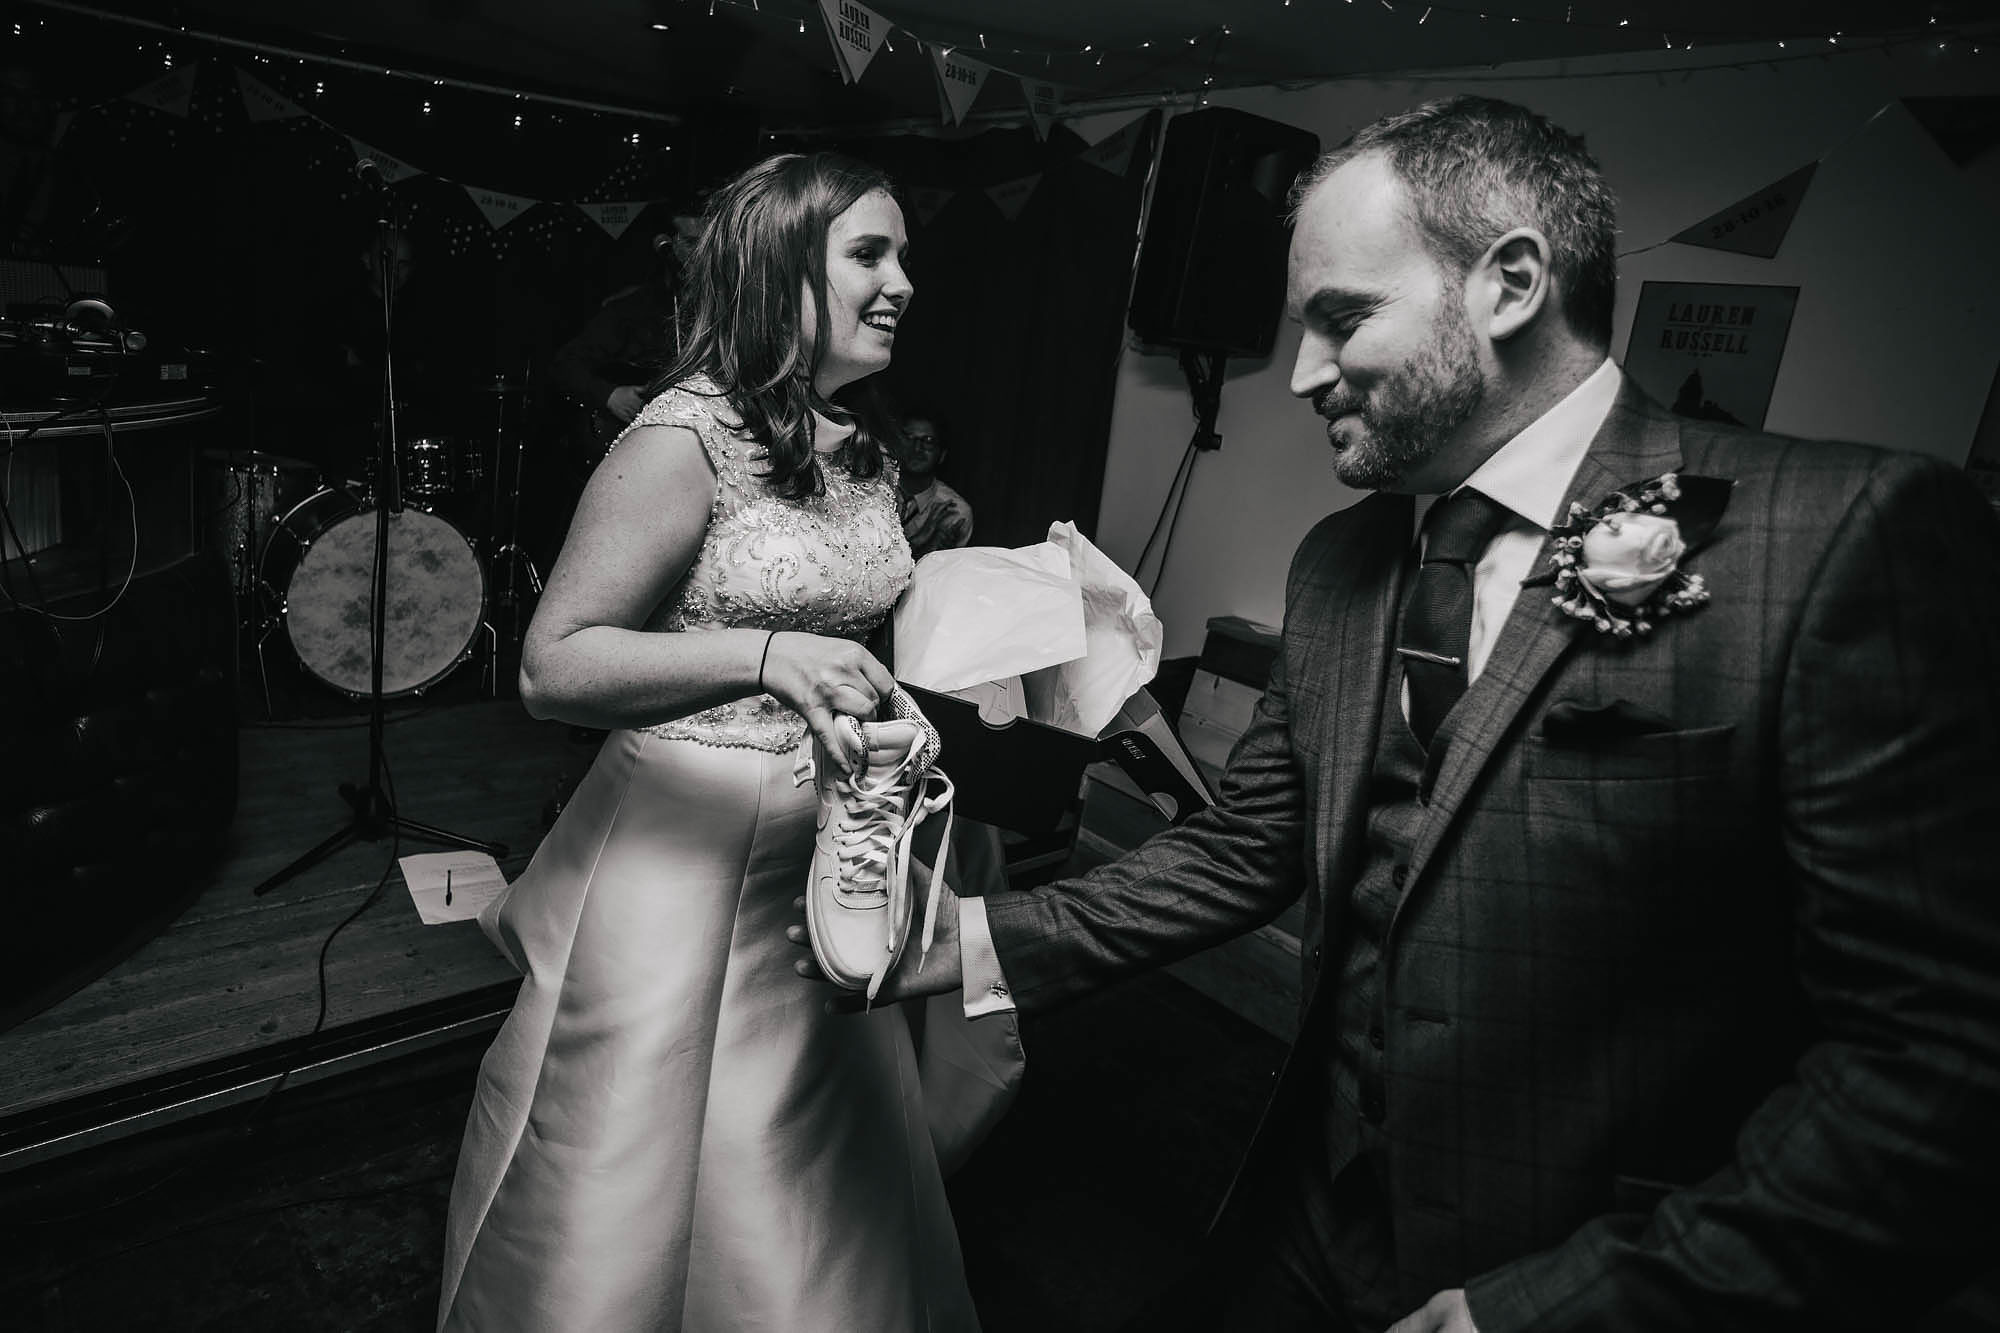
436,601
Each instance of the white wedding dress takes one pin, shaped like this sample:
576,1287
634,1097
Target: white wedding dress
670,1132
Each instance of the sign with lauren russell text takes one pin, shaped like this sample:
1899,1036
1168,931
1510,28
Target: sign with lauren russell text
394,169
959,81
857,33
614,217
1113,153
1010,197
1043,104
1755,225
1711,350
261,103
170,93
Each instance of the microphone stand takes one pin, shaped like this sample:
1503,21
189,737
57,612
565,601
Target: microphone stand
374,812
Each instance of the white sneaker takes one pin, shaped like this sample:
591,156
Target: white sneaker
857,897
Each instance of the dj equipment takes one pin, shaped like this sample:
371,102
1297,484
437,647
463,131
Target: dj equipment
318,567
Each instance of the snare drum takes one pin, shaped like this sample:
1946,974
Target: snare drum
320,563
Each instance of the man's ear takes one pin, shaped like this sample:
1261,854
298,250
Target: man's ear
1511,283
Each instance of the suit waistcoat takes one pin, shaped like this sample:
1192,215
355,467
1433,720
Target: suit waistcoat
1355,1099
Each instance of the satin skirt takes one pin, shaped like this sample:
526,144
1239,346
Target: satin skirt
669,1131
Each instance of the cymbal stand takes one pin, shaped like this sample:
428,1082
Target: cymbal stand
511,553
373,809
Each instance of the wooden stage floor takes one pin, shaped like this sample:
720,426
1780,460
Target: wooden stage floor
218,1006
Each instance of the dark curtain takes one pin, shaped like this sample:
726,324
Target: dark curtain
1012,341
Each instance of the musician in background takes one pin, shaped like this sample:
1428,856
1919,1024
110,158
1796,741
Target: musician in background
935,517
605,368
429,376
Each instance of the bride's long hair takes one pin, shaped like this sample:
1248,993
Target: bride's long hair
762,246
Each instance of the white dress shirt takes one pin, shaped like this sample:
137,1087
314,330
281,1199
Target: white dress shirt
1529,475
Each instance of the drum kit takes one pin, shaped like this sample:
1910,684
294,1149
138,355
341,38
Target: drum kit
301,550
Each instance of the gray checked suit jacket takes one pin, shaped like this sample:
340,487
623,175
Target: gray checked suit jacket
1693,1021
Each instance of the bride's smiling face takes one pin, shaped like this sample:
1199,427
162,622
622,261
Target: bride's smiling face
866,291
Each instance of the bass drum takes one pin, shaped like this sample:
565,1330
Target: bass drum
320,564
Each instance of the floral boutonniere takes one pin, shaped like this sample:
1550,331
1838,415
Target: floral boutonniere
1618,564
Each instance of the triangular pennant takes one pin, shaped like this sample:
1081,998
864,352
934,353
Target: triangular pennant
171,92
959,80
856,31
262,103
499,209
1010,197
929,201
1042,105
1756,224
614,218
1113,153
63,119
393,169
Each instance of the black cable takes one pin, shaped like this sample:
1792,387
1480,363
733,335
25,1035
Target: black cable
1176,494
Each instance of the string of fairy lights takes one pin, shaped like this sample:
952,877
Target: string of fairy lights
1184,67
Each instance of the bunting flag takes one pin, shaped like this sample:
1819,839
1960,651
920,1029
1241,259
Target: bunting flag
394,170
261,103
1113,153
1010,197
1754,225
959,80
499,209
929,201
1042,105
63,119
171,92
614,218
856,32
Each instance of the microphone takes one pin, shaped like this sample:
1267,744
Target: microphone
369,172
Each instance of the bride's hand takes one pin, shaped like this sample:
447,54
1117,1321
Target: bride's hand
823,679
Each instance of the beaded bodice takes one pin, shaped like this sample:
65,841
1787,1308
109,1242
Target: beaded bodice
830,564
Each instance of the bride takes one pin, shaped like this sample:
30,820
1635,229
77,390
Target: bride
669,1132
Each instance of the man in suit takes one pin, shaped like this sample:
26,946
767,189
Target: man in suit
1651,949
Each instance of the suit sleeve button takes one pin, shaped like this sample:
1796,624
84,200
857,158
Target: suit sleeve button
1399,875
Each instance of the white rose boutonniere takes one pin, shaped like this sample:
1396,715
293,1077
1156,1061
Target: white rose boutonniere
1618,564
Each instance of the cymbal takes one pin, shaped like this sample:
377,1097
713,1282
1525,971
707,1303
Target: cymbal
500,384
258,458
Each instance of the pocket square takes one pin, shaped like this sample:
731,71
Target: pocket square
1572,721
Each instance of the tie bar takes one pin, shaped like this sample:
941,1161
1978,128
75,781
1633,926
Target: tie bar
1439,658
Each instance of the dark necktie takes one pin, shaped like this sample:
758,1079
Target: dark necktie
1437,623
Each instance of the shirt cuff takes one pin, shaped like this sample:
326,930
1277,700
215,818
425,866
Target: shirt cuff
984,986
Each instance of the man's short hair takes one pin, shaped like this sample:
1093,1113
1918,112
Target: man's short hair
1474,169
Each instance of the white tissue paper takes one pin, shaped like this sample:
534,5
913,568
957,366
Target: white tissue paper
1122,640
981,614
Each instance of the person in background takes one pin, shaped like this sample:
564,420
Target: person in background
935,517
607,365
1640,786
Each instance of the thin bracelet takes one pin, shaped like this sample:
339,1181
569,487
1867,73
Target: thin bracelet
765,658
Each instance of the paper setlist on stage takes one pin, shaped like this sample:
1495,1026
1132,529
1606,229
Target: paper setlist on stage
451,886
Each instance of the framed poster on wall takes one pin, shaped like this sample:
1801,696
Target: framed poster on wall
1711,349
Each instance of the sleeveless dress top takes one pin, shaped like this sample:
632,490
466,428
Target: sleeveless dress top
829,564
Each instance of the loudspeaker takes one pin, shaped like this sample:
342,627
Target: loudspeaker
1212,268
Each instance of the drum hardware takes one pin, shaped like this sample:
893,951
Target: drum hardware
509,554
244,491
374,809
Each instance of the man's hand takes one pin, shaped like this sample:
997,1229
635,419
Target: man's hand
625,402
938,975
1445,1312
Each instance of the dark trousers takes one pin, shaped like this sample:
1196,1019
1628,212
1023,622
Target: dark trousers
1299,1253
